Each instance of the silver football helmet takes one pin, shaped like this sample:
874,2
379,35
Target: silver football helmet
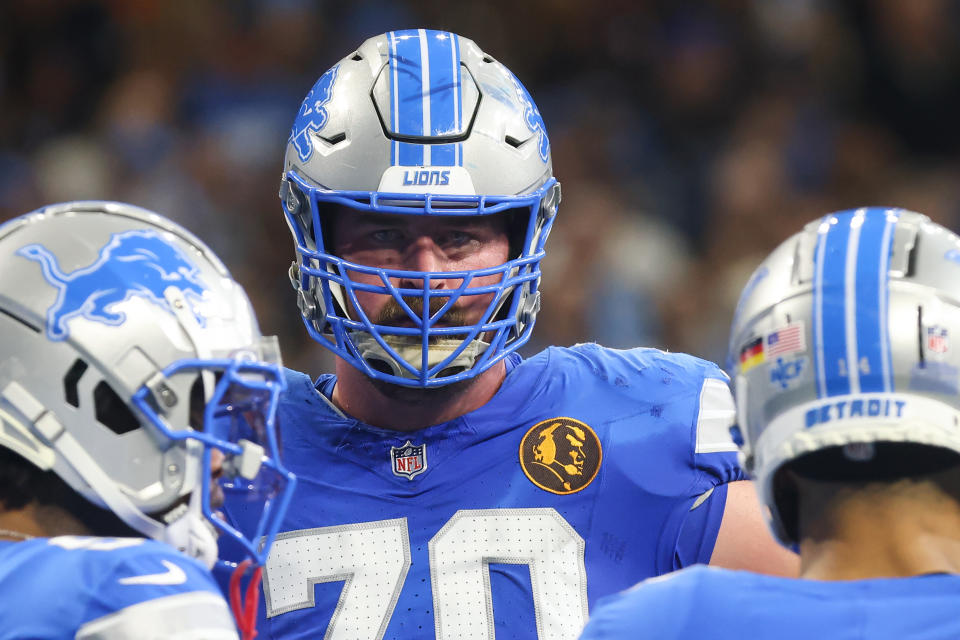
418,122
131,365
842,341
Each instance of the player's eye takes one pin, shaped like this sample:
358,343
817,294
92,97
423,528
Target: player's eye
386,236
456,238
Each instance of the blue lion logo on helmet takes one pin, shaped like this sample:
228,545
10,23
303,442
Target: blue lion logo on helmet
312,116
133,263
532,116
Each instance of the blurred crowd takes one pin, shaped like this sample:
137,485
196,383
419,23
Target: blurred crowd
690,137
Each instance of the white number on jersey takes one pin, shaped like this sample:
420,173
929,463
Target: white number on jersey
373,559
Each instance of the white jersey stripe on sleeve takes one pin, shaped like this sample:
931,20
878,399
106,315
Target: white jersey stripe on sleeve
197,615
716,416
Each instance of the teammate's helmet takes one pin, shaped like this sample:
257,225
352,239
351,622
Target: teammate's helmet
128,356
419,122
841,344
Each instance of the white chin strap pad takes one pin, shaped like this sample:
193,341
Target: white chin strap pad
410,350
191,534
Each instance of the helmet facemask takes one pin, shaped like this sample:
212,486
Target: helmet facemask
232,409
435,348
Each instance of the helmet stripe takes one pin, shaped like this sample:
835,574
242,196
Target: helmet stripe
884,287
872,281
817,312
832,340
394,107
443,94
427,126
426,95
457,99
406,89
850,299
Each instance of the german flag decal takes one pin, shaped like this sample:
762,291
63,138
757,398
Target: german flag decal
751,354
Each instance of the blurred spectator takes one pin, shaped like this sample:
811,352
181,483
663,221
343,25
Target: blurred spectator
690,137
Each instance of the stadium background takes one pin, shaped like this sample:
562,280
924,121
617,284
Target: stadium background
690,137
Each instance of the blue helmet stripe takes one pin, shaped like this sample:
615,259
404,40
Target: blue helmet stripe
831,337
426,95
871,284
884,287
426,86
851,368
406,94
443,155
850,303
458,97
394,109
444,94
819,368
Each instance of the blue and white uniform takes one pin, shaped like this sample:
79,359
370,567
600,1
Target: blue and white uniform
708,602
590,469
88,588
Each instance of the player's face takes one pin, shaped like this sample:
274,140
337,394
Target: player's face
421,243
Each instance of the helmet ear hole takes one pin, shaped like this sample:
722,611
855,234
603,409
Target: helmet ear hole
198,399
197,403
111,411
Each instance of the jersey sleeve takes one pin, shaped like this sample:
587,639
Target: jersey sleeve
716,461
152,591
197,615
661,608
667,445
715,452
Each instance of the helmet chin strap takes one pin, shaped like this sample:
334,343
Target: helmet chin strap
190,532
410,349
187,529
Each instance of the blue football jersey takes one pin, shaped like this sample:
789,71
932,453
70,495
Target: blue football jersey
708,602
589,470
107,588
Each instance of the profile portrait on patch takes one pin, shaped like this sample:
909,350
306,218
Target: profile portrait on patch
560,455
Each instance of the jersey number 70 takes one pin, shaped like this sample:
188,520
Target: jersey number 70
372,558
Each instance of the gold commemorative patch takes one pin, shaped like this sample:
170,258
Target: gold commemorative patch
560,455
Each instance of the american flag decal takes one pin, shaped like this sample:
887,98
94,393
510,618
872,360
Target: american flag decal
790,339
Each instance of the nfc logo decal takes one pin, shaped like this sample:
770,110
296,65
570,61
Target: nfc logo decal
785,373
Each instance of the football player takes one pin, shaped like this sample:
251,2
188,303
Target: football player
133,382
449,488
849,412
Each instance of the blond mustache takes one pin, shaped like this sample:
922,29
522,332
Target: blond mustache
392,313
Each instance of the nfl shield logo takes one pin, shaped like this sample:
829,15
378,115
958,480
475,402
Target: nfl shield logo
409,459
937,339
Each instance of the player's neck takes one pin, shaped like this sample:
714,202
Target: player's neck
46,521
906,529
406,409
